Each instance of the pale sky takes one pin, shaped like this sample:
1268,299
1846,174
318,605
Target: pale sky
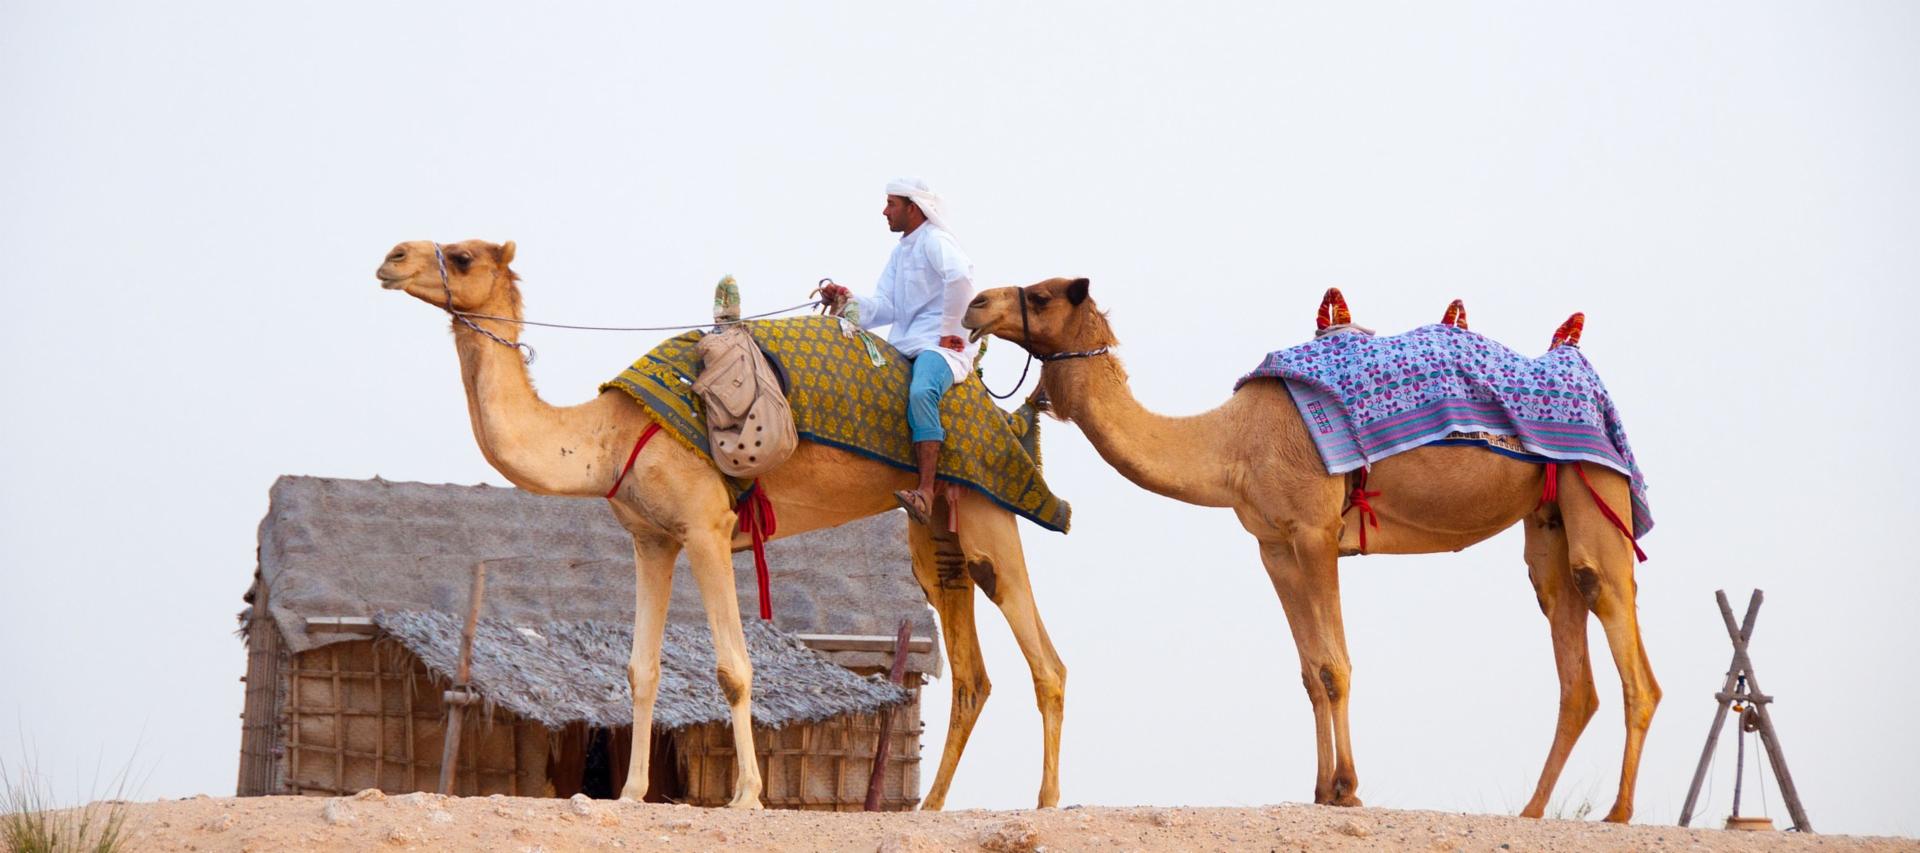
193,198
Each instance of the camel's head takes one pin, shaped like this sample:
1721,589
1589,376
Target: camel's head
1060,317
476,275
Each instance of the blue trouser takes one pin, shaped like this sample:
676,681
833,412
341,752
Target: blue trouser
931,378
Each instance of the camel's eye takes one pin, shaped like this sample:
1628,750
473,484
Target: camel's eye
461,259
1037,300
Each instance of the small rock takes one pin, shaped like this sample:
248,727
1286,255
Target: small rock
401,838
439,816
1017,835
609,819
582,805
420,799
678,825
219,824
1354,828
372,795
501,810
903,843
337,813
1161,817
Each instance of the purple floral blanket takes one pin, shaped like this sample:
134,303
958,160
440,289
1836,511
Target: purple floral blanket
1365,398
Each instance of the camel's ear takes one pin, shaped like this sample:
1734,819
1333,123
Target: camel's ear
1077,291
506,253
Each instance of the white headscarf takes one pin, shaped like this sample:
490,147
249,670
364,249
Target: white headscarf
916,190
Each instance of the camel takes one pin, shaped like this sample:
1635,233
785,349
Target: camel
673,500
1254,454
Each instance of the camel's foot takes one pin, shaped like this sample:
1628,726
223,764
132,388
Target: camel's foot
1338,793
1049,799
746,800
934,802
1535,811
1622,812
633,793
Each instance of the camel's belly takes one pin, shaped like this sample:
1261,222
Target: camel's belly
1437,499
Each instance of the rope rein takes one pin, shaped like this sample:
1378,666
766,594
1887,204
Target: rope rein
466,318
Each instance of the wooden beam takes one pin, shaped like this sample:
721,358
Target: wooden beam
863,643
340,625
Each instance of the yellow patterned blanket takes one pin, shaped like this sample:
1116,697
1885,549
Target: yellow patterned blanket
841,399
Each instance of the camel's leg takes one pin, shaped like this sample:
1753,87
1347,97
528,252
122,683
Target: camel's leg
995,561
709,552
1566,611
1601,560
1305,573
954,602
652,589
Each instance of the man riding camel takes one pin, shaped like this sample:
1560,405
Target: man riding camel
922,293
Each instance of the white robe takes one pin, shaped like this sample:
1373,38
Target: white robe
923,294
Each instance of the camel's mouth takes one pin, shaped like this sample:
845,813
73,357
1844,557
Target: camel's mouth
975,335
391,283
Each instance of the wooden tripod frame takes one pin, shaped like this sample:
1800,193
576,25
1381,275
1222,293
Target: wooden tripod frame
1743,688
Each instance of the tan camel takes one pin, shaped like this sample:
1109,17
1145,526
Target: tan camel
675,500
1254,454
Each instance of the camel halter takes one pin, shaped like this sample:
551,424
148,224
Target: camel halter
1026,339
466,318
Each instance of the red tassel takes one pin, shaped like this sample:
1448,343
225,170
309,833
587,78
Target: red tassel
1456,315
756,518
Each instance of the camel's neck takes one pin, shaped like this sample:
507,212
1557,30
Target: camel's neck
1187,458
540,448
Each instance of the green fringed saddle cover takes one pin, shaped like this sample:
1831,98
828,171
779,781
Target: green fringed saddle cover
841,399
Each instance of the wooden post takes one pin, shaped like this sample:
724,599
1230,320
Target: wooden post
876,781
1743,688
458,698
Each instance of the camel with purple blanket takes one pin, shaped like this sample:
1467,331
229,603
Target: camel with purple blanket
1414,444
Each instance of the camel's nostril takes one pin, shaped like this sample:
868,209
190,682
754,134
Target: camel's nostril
979,302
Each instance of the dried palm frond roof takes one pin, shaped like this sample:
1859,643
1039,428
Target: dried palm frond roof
332,547
575,671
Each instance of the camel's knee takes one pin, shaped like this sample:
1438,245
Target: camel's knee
969,695
736,683
1050,686
643,678
1335,679
1579,705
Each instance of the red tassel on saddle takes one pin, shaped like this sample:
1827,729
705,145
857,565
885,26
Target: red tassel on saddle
756,518
1456,315
1333,311
1568,335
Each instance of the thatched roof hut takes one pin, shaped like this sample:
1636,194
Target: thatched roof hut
352,631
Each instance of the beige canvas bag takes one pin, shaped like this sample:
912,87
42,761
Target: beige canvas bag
749,424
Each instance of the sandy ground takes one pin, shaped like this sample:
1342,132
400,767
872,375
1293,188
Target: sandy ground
372,821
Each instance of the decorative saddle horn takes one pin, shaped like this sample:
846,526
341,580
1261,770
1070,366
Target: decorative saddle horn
1333,311
1568,335
1456,315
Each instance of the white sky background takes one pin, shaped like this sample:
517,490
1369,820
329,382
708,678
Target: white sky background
193,198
